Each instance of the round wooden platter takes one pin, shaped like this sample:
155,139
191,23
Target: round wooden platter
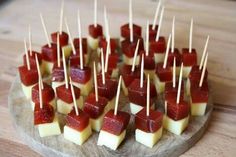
57,146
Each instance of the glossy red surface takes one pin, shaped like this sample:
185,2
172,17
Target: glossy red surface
127,75
75,59
65,94
95,32
177,111
32,60
138,95
195,73
81,76
77,45
152,32
28,77
49,53
63,38
165,75
199,94
176,54
107,90
149,61
94,108
58,73
47,93
170,92
125,31
103,44
150,123
128,48
189,59
44,115
115,124
159,46
79,122
113,60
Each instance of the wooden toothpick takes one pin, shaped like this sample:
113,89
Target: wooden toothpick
107,56
65,70
74,99
204,52
117,96
40,94
174,75
39,72
167,52
106,24
160,23
179,85
80,42
147,38
203,71
156,15
95,13
173,36
70,37
102,62
26,55
142,73
95,81
148,95
45,30
61,17
131,21
58,51
135,56
165,108
191,36
30,41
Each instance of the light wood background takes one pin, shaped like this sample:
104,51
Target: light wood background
214,17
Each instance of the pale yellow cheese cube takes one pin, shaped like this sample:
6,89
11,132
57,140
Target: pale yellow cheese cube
86,88
27,90
124,88
188,84
93,42
129,61
49,129
151,73
65,108
159,57
198,109
52,103
146,138
47,67
75,136
186,71
67,50
56,84
160,86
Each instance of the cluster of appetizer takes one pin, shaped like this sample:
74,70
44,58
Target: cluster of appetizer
89,99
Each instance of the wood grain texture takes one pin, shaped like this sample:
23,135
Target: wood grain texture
170,145
213,17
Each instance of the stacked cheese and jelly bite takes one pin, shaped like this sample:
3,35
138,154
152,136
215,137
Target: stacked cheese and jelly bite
46,120
176,118
82,78
113,129
162,76
58,76
148,129
95,32
63,40
128,76
65,99
77,128
175,54
48,95
189,59
28,77
198,98
170,92
96,110
138,96
158,47
103,45
149,64
125,31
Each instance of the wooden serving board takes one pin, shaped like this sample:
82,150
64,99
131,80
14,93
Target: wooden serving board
57,146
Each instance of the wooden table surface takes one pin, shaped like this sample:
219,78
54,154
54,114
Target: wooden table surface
216,18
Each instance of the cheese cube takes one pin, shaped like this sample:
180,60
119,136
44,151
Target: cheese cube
49,129
198,109
65,108
146,138
47,66
186,71
176,127
124,88
160,86
67,50
151,73
188,84
93,42
134,108
159,57
56,84
52,103
77,137
129,61
86,88
110,140
27,90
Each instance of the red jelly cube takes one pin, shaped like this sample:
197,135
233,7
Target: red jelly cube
158,46
74,59
125,31
77,45
103,44
113,60
115,124
176,55
177,111
195,73
95,32
77,122
128,76
152,32
58,73
63,38
49,53
149,62
128,48
164,74
94,108
80,75
43,115
150,123
138,95
65,94
28,77
47,93
199,94
189,59
107,90
170,92
32,60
